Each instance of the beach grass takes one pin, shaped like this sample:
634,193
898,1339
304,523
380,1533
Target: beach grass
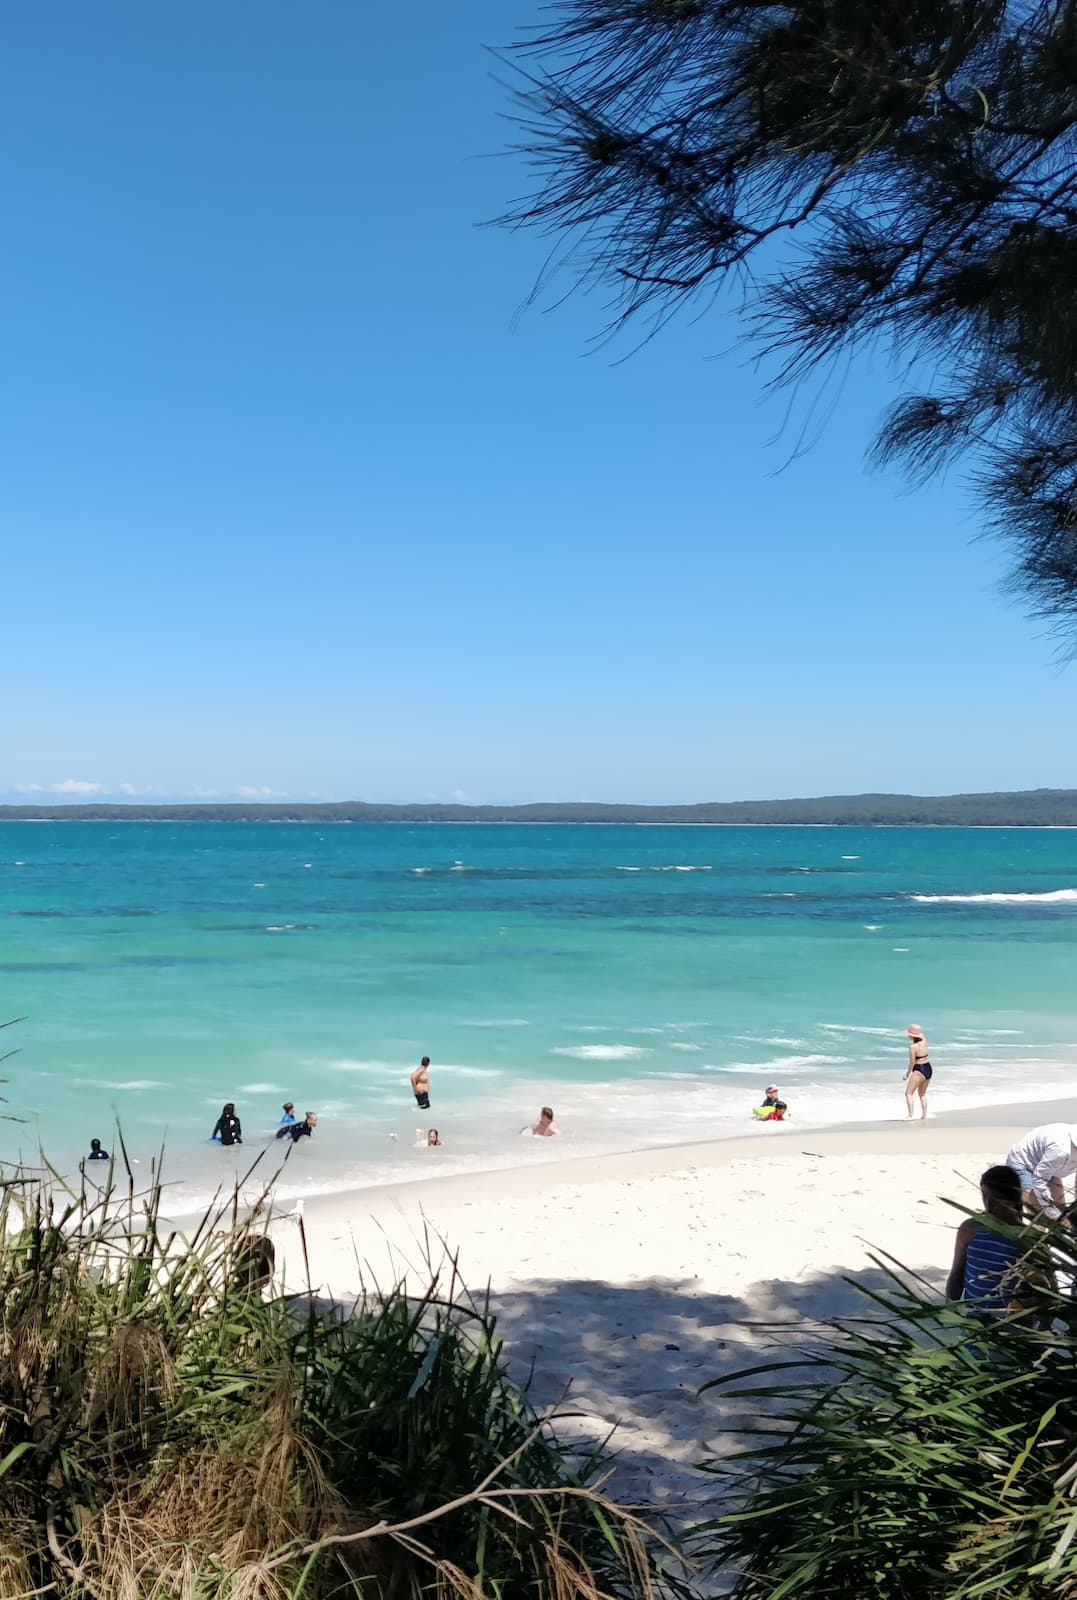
911,1453
172,1429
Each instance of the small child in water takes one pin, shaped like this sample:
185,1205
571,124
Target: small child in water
771,1111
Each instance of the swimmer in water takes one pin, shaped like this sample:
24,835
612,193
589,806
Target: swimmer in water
289,1114
420,1083
226,1129
299,1130
96,1152
433,1138
545,1127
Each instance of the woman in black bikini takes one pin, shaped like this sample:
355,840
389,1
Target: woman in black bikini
919,1070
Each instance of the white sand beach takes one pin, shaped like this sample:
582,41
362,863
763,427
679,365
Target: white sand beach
623,1283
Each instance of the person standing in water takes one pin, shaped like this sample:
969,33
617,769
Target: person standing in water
227,1129
420,1083
918,1073
289,1114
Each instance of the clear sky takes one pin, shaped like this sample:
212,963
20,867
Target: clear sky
292,503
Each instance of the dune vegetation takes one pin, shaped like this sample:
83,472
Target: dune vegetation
172,1428
912,1453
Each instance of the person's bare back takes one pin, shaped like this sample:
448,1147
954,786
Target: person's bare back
420,1083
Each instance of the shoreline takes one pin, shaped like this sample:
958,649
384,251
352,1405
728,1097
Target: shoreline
960,1131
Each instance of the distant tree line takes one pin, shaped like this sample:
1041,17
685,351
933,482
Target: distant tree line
1023,809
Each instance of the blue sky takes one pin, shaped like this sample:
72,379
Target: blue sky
292,502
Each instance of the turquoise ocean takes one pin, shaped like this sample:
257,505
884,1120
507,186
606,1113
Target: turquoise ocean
647,982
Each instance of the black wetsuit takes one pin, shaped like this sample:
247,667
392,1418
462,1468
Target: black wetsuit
229,1130
296,1131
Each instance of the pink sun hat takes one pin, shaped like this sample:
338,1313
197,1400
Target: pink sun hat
914,1031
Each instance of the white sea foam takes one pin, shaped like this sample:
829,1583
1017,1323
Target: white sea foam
672,867
345,1064
498,1022
1048,897
124,1083
259,1088
781,1064
850,858
420,870
601,1052
872,927
280,927
901,949
677,1045
854,1027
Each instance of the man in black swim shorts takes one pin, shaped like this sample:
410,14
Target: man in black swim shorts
420,1083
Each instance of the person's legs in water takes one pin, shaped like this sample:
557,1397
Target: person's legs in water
911,1083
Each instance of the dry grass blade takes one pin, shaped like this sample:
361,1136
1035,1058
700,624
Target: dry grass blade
181,1433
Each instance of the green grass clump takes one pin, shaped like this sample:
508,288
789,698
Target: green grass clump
171,1430
912,1454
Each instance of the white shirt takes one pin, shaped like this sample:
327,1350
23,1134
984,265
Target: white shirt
1046,1153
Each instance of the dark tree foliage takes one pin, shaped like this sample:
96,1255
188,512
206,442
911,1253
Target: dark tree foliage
903,170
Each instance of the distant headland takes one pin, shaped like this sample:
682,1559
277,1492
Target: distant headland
1030,808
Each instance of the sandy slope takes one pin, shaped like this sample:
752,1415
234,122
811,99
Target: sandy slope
625,1282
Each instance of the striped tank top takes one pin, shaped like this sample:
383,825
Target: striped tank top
991,1277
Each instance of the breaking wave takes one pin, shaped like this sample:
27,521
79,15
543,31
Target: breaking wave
1047,898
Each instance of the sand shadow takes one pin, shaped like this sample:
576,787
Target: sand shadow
632,1359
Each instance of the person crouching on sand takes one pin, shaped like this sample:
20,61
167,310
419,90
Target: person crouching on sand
545,1127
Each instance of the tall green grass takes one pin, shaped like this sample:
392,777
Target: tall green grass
172,1430
911,1454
